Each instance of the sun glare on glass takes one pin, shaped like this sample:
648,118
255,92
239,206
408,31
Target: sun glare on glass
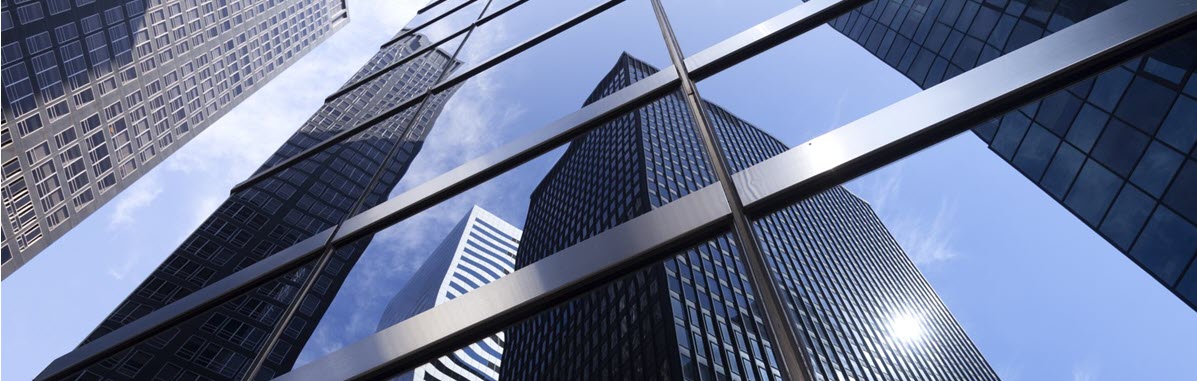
906,327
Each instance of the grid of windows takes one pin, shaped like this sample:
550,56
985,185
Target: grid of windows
695,315
845,276
1117,149
306,197
128,82
479,250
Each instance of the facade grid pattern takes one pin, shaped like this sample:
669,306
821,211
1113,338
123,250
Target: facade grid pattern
98,92
479,250
283,209
1116,149
830,250
842,334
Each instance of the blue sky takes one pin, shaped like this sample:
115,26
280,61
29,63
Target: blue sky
1043,297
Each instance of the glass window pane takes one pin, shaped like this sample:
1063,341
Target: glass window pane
1166,246
1182,195
1062,171
1180,128
1145,104
1127,216
1120,147
1088,126
1093,192
1156,169
1035,152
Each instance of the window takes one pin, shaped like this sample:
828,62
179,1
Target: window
1180,128
1127,216
1094,191
1036,150
1166,245
1156,168
1087,127
1109,87
1120,147
1182,196
1145,104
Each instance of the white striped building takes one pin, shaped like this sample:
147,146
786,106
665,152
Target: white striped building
480,249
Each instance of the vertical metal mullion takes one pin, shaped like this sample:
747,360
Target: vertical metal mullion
329,247
785,336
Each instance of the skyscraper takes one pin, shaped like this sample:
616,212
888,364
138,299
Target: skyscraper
480,249
96,93
864,310
1116,149
314,181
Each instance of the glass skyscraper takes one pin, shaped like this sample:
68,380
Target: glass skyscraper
98,92
304,188
865,311
1116,149
480,249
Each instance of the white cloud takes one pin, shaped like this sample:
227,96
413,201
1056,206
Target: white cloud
925,234
1086,371
133,200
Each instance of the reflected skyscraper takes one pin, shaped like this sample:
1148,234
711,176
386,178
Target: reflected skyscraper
864,310
479,250
1116,149
312,182
98,92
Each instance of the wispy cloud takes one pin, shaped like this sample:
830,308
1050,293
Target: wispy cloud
1085,371
926,234
133,200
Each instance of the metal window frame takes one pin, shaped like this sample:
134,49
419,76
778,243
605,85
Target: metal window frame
868,143
899,130
439,87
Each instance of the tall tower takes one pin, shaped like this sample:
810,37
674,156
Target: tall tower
480,249
865,311
1117,149
98,92
295,195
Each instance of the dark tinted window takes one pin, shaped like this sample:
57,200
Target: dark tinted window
1127,216
1156,168
1062,170
1145,104
1120,147
1087,127
1182,196
1094,190
1167,245
1036,151
1180,128
1109,87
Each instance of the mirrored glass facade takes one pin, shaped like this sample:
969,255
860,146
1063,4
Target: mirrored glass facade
306,195
1116,149
479,250
695,316
98,92
641,256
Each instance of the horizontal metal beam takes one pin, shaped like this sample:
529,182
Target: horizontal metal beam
391,66
417,28
871,142
933,115
920,121
508,156
189,306
442,86
524,293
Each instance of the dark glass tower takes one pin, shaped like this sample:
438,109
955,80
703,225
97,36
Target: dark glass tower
98,92
865,311
1117,149
308,195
